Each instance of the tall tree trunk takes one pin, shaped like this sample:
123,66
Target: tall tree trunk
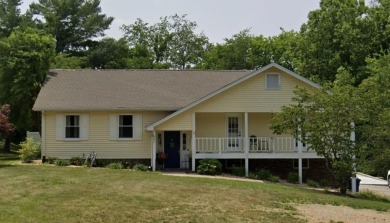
7,144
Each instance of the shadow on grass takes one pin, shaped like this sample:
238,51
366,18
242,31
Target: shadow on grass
8,159
6,166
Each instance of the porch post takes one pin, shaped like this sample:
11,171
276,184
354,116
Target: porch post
246,145
154,151
300,145
353,180
193,143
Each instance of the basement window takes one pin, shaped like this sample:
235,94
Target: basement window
305,163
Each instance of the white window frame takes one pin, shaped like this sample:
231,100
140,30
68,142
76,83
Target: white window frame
114,126
266,81
61,126
132,126
79,126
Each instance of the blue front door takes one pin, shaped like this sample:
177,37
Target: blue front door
172,149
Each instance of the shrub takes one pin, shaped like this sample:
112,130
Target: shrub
126,164
209,167
274,179
77,161
252,176
264,174
312,183
239,171
101,162
29,150
324,183
62,163
115,166
293,178
51,160
140,167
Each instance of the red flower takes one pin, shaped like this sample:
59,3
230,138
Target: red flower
162,156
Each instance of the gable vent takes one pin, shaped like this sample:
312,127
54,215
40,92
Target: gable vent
272,81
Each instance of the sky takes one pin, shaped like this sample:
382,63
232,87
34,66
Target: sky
218,19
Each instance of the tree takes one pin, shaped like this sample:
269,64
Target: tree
375,130
379,21
66,61
246,51
109,54
283,49
237,53
170,43
25,58
339,33
186,48
11,18
73,23
161,37
322,120
139,38
6,127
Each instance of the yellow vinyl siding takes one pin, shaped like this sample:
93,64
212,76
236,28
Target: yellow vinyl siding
99,140
252,95
259,124
210,125
180,122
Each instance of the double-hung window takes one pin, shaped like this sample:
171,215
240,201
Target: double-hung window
72,128
125,126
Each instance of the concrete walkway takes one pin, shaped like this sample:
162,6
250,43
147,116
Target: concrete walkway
370,180
181,174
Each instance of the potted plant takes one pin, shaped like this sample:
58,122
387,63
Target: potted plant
161,157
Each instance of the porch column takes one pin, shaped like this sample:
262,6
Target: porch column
300,145
246,144
193,143
353,181
154,151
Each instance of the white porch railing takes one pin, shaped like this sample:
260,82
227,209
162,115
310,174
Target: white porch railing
219,145
256,144
272,144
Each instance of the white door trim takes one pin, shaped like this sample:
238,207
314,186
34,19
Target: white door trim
234,140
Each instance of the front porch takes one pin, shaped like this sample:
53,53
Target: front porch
221,135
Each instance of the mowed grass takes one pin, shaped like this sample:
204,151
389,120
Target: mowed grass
42,193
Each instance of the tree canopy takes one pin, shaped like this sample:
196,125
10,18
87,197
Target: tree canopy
73,23
170,43
25,57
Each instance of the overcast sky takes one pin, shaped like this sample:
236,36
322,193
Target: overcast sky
218,19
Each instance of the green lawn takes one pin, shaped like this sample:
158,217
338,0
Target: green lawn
42,193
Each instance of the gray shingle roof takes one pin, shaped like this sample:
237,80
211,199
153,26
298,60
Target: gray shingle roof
129,89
